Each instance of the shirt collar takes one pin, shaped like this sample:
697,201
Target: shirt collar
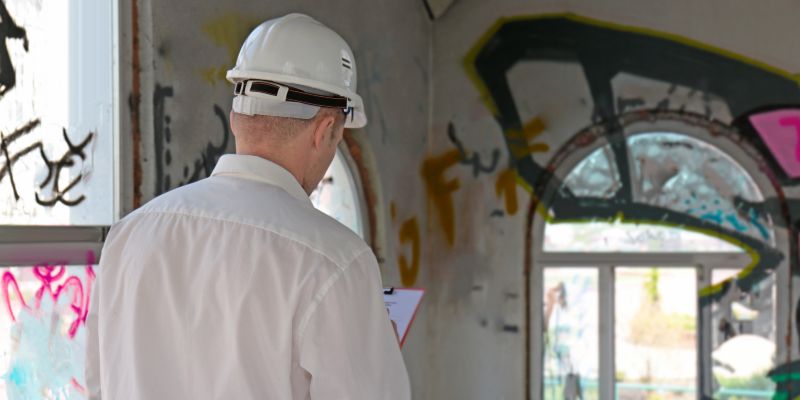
261,170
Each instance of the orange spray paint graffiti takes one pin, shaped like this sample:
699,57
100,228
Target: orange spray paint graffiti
506,186
520,146
409,232
519,143
440,191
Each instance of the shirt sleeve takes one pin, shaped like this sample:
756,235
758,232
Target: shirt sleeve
348,345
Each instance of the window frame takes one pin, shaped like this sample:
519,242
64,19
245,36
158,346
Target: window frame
605,264
361,200
30,245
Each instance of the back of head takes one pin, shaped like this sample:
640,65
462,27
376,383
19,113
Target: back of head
275,131
295,88
291,67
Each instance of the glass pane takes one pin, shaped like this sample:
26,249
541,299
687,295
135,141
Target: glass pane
56,102
743,326
42,334
601,236
691,176
337,195
595,176
655,333
571,333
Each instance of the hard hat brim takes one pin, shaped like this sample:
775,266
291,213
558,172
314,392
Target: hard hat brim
357,119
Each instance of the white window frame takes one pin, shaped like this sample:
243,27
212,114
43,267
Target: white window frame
30,245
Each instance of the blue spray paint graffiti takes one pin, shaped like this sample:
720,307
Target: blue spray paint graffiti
46,307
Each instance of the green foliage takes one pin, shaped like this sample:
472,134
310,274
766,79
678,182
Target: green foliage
651,286
684,323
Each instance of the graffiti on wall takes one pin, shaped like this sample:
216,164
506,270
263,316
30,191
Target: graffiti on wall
57,166
701,87
565,38
69,166
780,131
202,165
440,190
69,160
9,30
45,309
472,159
408,237
228,31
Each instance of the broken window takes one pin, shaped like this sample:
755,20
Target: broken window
680,303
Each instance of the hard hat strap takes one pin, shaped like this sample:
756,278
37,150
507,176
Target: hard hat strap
262,89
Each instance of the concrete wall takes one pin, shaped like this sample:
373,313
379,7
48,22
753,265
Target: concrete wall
448,163
515,92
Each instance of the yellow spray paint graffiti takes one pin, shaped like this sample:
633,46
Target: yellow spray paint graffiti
520,145
409,232
506,186
440,191
519,142
229,31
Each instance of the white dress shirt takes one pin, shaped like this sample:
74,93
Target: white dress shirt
236,287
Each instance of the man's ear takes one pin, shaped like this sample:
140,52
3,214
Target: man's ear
231,123
322,130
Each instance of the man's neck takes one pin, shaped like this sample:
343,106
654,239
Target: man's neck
294,165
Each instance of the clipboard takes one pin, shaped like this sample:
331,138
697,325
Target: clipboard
402,305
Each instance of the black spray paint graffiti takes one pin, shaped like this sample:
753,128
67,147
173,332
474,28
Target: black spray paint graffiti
202,166
625,104
604,53
56,167
10,30
597,49
5,142
475,159
8,79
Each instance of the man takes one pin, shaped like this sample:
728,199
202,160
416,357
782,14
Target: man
235,287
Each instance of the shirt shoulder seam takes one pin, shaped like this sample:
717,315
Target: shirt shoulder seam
261,228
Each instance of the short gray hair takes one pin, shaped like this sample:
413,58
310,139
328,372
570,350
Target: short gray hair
283,128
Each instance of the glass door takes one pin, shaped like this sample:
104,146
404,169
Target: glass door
655,333
638,330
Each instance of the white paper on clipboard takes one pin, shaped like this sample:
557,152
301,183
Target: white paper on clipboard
402,305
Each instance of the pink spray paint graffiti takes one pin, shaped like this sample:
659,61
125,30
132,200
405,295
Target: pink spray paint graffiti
46,307
780,130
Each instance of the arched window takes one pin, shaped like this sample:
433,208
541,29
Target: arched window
339,194
672,171
664,297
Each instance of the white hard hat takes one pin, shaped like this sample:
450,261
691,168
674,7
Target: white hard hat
291,66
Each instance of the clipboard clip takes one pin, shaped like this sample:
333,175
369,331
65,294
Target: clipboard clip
389,290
